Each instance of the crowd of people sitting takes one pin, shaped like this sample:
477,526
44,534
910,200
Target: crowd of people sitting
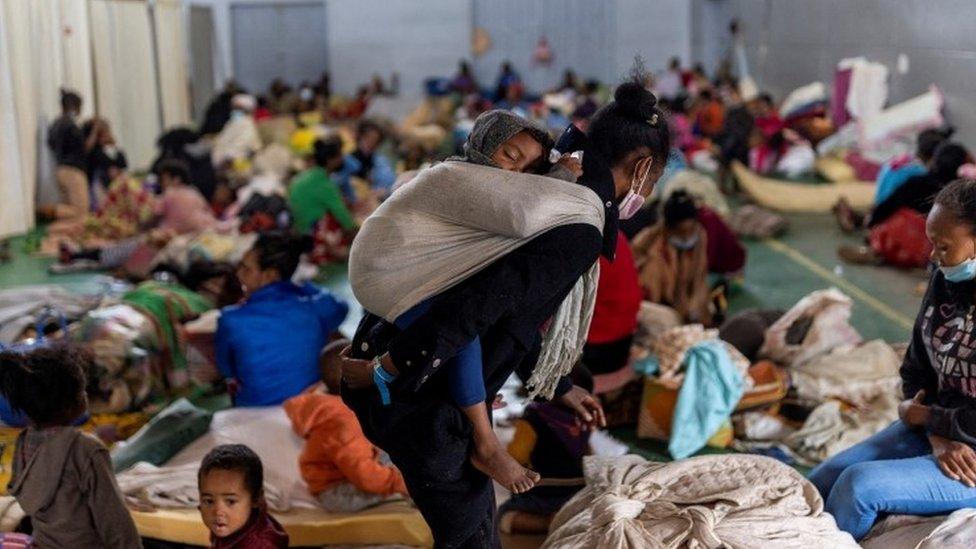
222,238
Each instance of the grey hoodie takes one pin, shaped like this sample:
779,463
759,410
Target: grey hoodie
67,488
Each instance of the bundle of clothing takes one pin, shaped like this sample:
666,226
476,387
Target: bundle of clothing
708,501
842,390
699,381
138,346
21,307
121,339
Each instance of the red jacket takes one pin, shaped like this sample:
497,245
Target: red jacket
618,297
261,532
726,255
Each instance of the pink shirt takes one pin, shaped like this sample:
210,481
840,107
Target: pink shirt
185,210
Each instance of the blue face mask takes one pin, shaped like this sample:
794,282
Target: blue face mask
963,272
684,245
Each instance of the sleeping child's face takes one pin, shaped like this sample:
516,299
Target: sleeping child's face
225,502
521,153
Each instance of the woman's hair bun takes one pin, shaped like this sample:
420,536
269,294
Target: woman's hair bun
634,101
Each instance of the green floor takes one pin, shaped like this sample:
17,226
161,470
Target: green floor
25,269
780,272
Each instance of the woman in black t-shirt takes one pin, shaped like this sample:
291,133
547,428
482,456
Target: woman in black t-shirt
924,463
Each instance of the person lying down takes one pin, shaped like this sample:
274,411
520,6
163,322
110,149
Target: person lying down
343,470
507,142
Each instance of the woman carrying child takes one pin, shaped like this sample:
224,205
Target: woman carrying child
501,304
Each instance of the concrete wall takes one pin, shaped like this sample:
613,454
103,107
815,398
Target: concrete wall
598,39
654,29
794,42
415,38
422,38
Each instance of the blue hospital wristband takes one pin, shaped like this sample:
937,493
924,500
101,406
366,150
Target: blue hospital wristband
382,379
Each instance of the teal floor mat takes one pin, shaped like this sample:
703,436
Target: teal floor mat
781,271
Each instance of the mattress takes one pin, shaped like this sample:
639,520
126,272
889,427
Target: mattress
785,196
389,524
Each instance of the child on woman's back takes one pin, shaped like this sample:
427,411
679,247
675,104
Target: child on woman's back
505,141
232,502
62,478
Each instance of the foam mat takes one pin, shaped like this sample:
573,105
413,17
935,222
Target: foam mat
389,524
785,196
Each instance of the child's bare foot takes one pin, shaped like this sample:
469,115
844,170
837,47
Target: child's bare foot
494,461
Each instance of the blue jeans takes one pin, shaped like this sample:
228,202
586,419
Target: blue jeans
893,472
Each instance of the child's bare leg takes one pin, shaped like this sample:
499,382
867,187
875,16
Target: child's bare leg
491,459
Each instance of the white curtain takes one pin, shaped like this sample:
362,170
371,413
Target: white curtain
76,58
171,59
125,75
16,198
45,47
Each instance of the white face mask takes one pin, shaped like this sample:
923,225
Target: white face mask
634,200
684,244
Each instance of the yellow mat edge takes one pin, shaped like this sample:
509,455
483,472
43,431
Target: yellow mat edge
394,524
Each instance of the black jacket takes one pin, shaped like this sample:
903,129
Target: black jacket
942,359
598,178
505,305
67,142
507,302
917,193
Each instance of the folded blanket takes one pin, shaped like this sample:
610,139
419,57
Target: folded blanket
732,501
453,220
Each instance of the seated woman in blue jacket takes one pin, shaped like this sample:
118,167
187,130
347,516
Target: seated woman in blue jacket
268,346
